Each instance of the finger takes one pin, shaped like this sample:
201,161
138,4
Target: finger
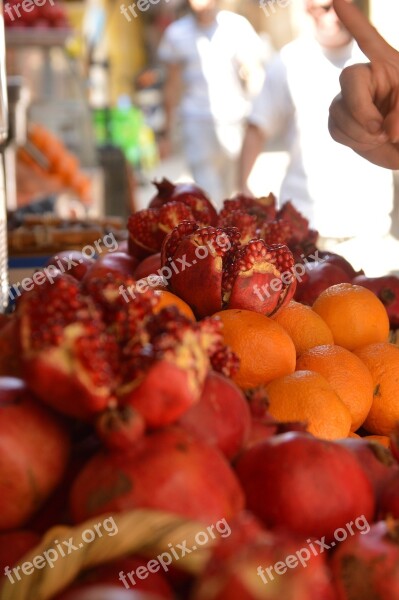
391,126
341,136
370,41
358,90
353,129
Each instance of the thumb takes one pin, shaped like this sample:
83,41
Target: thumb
391,122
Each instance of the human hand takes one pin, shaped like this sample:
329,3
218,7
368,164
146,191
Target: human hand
365,115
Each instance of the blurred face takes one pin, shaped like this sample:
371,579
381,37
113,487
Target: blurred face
202,5
329,30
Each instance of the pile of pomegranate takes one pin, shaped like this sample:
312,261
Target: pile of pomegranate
109,405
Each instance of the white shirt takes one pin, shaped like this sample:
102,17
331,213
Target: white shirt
211,58
342,194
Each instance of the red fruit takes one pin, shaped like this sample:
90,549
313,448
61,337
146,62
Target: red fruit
213,271
10,352
14,545
221,418
148,228
107,592
72,262
120,428
118,264
66,352
275,232
168,470
188,193
387,290
165,377
110,573
34,449
377,462
318,277
263,209
266,566
338,261
149,266
244,222
298,224
305,485
389,498
367,564
4,320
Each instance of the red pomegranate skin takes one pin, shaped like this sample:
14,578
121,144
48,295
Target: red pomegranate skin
367,566
34,450
386,288
309,487
149,266
72,262
120,264
108,592
221,418
109,574
376,461
389,499
14,545
240,577
317,278
167,470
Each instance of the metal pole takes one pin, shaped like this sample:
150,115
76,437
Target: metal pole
3,140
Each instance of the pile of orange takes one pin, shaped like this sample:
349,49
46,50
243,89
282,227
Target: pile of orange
330,366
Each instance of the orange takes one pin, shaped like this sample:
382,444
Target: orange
381,439
305,327
348,376
354,435
307,396
264,348
383,362
166,298
354,314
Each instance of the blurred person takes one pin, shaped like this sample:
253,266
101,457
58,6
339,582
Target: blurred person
346,199
365,115
214,63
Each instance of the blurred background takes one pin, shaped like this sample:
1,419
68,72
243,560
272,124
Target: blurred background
86,118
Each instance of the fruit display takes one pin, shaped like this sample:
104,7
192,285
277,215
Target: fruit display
179,421
40,14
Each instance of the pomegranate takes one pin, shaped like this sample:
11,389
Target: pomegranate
165,377
317,277
221,418
123,572
108,592
389,498
148,228
72,262
120,427
377,462
34,450
327,486
189,194
14,545
367,565
10,351
149,266
67,354
262,209
269,566
168,470
211,270
118,264
338,261
387,290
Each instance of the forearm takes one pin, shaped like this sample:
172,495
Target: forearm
253,144
171,96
